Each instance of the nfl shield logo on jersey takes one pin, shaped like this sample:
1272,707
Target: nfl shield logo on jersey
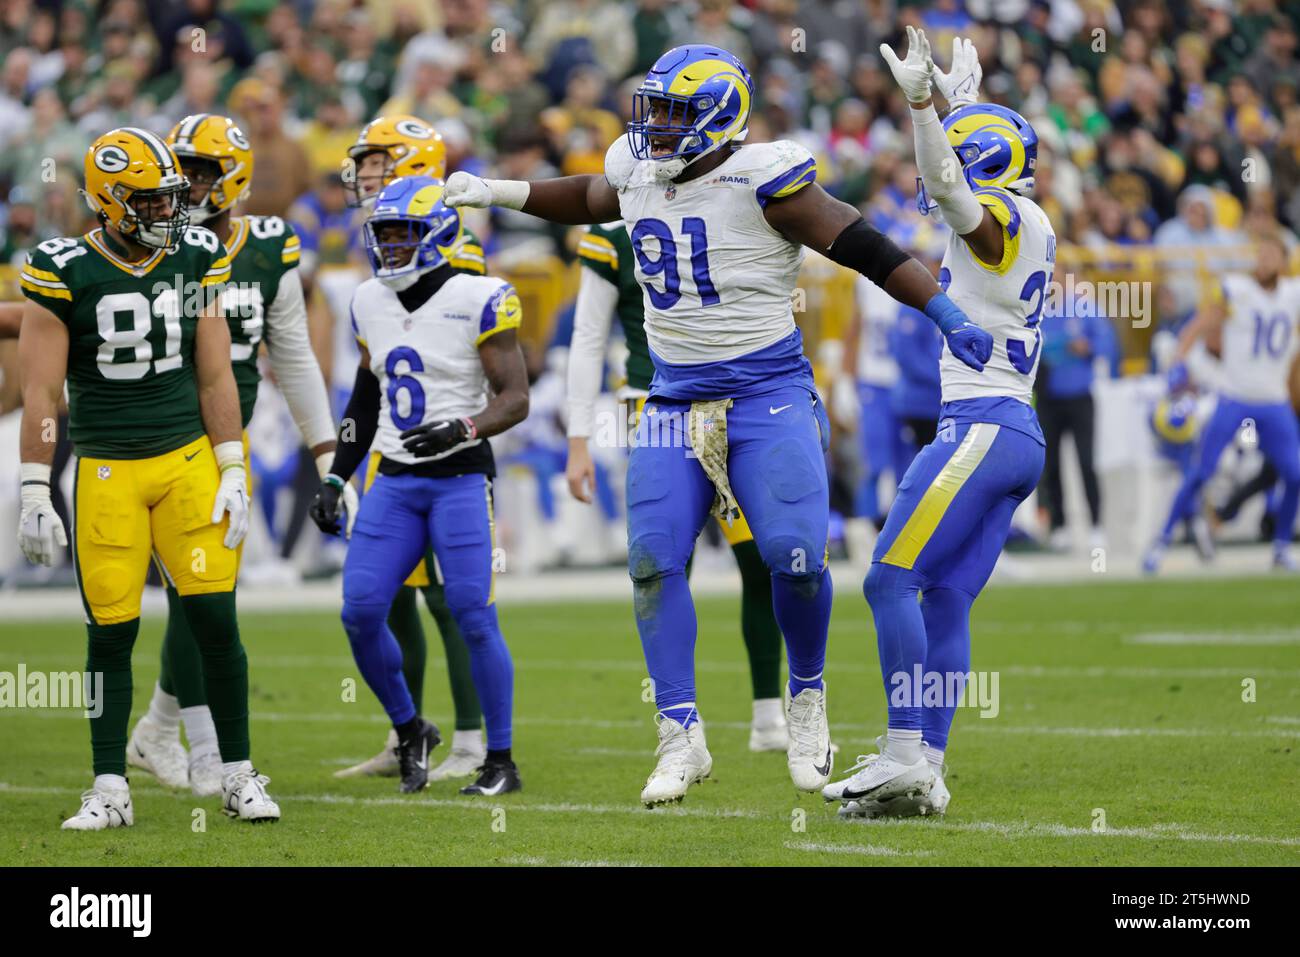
670,192
105,471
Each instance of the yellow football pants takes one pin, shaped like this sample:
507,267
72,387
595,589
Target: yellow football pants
129,509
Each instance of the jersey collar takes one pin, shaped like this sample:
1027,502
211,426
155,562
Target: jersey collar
238,235
137,269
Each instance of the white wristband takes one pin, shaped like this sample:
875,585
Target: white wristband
35,472
229,455
510,193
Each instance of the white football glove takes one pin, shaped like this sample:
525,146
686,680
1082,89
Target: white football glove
232,493
465,189
961,84
845,403
40,530
350,502
913,74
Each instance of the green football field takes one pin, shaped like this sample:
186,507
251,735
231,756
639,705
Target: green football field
1122,737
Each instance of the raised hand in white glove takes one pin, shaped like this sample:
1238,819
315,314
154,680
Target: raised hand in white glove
961,84
232,493
40,530
348,497
913,74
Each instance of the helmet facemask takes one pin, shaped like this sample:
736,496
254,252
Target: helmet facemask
200,170
672,130
356,182
404,248
141,224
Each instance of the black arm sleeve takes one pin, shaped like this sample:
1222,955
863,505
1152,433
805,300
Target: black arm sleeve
360,422
863,247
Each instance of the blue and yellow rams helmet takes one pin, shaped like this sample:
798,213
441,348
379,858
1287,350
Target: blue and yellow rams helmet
410,230
996,146
695,98
1174,419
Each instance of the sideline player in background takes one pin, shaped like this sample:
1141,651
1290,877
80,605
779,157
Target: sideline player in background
950,520
1253,321
263,303
441,371
387,148
154,416
608,287
718,231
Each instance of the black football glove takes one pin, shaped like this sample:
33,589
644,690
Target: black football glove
437,437
325,507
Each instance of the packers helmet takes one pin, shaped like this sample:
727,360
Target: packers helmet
695,99
216,139
996,146
412,146
131,175
427,230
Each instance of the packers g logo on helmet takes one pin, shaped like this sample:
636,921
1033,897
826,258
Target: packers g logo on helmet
112,159
215,139
134,183
410,146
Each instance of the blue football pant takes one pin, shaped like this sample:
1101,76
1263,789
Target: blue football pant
401,516
941,540
777,471
883,448
1278,434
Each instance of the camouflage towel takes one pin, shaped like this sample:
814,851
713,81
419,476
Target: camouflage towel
707,429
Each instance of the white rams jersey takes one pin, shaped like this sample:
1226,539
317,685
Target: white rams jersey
427,361
717,279
878,312
1259,338
1006,300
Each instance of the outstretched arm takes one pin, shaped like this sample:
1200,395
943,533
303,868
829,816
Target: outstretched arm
570,200
836,230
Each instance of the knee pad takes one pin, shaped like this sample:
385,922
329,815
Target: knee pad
361,619
477,625
649,557
890,583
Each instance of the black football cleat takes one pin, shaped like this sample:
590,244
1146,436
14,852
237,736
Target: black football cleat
495,777
413,756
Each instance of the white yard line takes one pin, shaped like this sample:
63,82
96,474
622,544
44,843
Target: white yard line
1226,638
1003,829
527,860
864,850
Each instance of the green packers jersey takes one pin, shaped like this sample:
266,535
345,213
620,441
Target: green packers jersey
606,250
468,256
262,249
132,391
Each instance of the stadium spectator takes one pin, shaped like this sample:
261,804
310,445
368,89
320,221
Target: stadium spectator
282,172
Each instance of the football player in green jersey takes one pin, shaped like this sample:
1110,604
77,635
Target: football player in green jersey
387,148
263,303
608,287
129,315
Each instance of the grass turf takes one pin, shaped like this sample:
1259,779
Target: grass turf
1120,703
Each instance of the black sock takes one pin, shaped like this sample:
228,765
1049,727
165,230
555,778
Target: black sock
501,756
407,730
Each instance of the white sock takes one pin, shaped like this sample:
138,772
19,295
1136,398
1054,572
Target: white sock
903,746
934,756
681,713
230,767
199,731
111,782
164,709
769,712
471,741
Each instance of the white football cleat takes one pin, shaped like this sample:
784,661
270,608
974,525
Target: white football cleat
1283,560
383,764
683,760
103,806
808,755
205,774
768,730
468,754
934,804
878,777
243,795
159,752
